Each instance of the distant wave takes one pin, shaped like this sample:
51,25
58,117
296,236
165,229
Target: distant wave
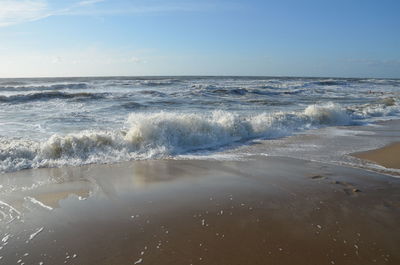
155,82
330,83
23,98
163,134
239,91
18,87
152,92
131,105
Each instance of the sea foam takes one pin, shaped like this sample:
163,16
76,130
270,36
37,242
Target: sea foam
155,135
164,134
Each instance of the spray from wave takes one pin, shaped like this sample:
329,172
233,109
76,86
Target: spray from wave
162,134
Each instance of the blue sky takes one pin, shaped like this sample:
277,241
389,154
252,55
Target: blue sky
351,38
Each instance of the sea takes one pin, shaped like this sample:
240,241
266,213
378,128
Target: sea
56,122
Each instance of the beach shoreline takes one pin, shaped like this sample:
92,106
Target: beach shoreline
199,132
252,209
262,210
387,156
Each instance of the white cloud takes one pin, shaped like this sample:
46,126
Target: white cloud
376,62
140,8
89,2
56,59
135,59
78,62
18,11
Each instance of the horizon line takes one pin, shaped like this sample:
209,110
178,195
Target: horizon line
157,76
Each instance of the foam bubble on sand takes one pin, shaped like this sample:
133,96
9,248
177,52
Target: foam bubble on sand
8,212
33,200
5,238
138,261
33,235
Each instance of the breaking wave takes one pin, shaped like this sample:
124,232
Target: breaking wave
167,82
19,86
240,91
23,98
163,134
330,83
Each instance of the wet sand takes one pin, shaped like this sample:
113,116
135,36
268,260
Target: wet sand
260,211
388,156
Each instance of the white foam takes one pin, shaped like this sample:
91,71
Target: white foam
33,200
32,236
138,261
166,134
11,209
212,156
5,238
331,114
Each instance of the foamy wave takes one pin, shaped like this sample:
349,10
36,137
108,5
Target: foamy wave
386,107
163,134
20,86
166,82
240,91
23,98
328,114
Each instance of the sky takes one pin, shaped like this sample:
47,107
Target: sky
340,38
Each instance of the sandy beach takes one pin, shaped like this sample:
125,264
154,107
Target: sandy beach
183,132
388,156
259,211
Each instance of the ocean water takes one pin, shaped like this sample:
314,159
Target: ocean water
55,122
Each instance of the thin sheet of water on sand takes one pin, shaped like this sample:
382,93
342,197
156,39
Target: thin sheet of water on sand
258,211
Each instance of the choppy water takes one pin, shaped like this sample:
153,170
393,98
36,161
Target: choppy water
75,121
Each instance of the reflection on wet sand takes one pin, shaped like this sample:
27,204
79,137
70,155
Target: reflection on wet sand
259,211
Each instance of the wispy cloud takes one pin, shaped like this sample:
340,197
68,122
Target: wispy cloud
376,62
91,60
14,11
21,11
89,2
139,7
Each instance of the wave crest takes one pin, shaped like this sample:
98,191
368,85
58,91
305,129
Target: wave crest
77,145
162,134
19,86
23,98
330,114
